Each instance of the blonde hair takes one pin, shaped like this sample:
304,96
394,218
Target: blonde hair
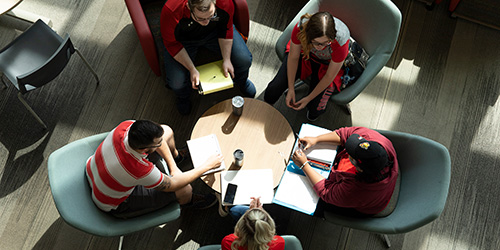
255,229
318,25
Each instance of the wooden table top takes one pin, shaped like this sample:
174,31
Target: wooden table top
261,132
7,5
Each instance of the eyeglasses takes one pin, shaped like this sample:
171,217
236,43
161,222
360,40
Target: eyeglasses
214,17
321,44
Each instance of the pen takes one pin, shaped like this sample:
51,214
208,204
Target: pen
301,146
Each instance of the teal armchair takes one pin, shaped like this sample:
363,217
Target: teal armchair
425,169
374,24
72,194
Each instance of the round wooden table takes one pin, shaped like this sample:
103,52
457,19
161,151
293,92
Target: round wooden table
261,132
7,5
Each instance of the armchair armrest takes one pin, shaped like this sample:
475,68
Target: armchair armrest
144,33
241,18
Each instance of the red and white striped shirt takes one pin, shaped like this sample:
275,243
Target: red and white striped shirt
115,169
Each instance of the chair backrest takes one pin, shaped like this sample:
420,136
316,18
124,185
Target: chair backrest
49,70
48,52
375,24
28,59
72,194
425,169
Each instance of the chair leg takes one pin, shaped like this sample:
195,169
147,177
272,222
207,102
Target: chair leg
121,243
387,241
88,65
21,99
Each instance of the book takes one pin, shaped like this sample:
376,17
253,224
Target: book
295,190
202,148
250,183
212,78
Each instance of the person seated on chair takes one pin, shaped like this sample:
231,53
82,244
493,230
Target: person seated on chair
126,184
254,230
317,49
363,175
186,26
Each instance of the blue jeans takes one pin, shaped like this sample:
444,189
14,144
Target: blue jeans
179,79
237,211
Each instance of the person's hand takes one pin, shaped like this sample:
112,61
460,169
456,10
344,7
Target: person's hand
214,161
308,142
227,68
290,98
255,203
299,157
195,78
302,103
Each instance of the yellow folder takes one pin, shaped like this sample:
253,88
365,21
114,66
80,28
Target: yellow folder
212,79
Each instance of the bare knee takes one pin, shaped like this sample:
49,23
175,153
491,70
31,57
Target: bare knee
184,194
167,132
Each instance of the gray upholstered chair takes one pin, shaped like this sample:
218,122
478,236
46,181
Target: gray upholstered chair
35,58
291,243
72,194
425,169
374,24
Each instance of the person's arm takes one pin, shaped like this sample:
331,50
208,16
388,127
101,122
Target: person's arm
173,183
225,48
327,79
291,72
331,137
300,159
183,58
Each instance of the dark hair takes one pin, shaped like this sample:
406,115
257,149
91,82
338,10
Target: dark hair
320,24
143,132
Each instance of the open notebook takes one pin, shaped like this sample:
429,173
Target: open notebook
202,148
212,79
295,190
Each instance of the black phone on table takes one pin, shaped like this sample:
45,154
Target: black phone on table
230,193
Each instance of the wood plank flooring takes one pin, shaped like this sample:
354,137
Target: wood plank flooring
442,82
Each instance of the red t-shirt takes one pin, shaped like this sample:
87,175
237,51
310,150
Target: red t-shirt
337,52
342,189
278,243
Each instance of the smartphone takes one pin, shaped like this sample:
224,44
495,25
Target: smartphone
230,193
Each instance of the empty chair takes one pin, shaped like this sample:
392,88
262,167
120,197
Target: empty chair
374,24
425,169
73,198
35,58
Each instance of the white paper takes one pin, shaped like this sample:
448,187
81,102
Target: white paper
251,183
296,190
322,152
202,148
